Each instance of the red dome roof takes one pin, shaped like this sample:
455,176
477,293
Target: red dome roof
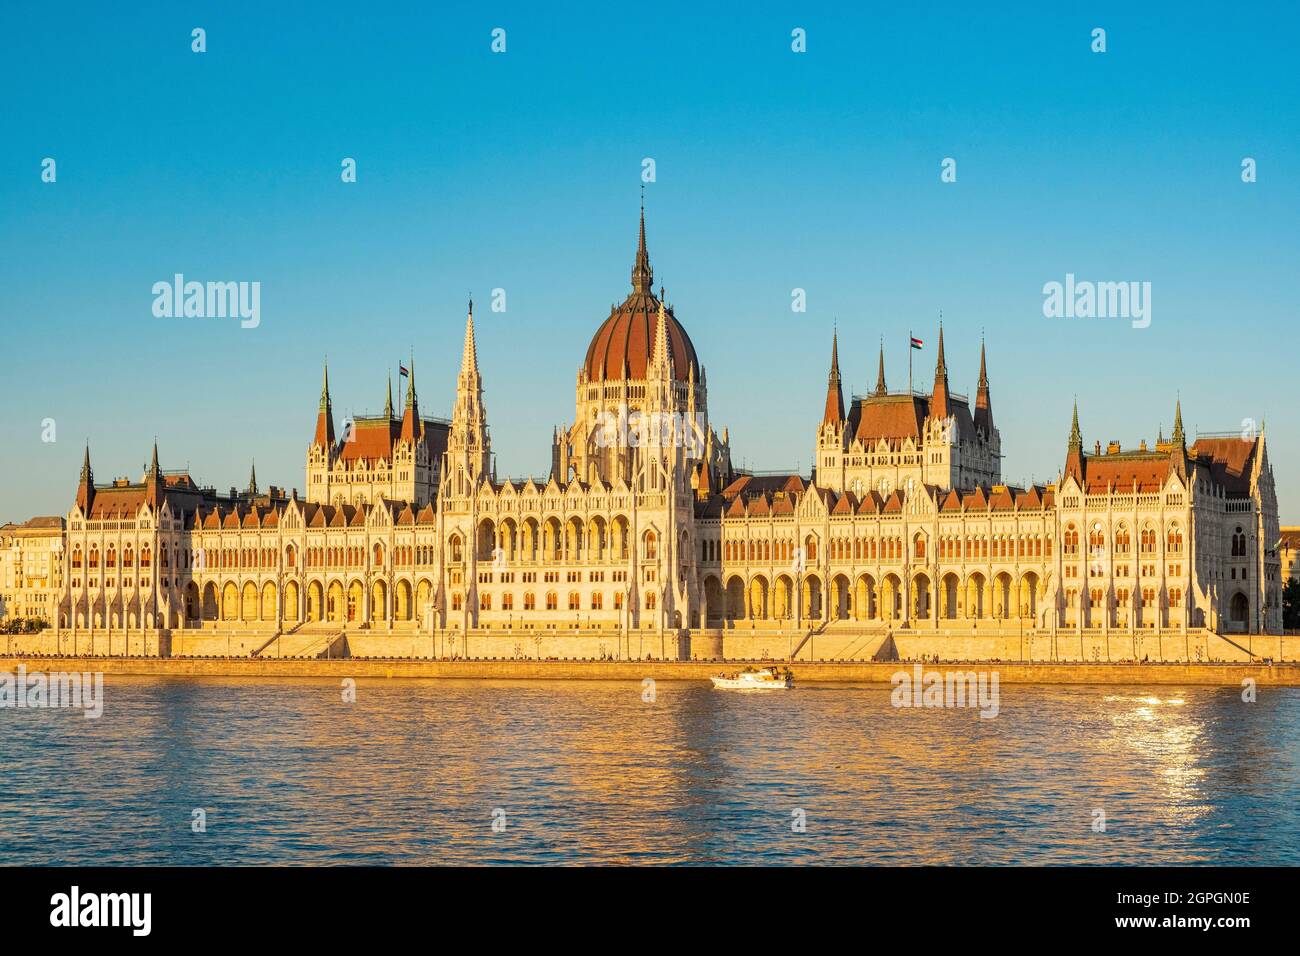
627,338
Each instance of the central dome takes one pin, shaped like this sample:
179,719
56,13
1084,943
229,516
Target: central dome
626,339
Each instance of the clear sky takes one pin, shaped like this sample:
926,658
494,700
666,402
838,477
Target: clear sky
521,171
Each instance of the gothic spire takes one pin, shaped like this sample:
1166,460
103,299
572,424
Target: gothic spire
153,464
252,479
388,402
325,417
643,276
1076,437
983,406
469,357
881,388
410,388
1178,438
939,400
662,357
834,414
86,488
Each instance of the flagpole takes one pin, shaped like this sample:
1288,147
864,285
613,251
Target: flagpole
909,361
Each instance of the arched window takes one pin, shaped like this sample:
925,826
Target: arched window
575,601
456,548
652,547
1174,540
76,556
1148,541
111,558
552,602
650,601
530,601
379,555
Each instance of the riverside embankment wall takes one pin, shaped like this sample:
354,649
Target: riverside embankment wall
834,644
850,672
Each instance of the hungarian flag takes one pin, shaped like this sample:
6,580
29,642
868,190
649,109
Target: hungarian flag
401,369
916,343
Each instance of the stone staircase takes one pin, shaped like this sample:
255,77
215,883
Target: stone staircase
317,639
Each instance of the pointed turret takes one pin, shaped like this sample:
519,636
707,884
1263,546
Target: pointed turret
881,388
388,402
1178,442
252,480
643,276
325,416
86,489
834,414
661,357
153,480
411,414
468,445
939,407
983,406
1074,458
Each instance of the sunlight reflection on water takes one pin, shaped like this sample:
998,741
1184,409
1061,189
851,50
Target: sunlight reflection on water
588,772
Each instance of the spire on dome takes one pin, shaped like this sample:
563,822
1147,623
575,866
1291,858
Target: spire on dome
881,388
643,276
662,356
834,414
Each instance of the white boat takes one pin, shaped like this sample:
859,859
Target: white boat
750,678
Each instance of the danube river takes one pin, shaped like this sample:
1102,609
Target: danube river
418,772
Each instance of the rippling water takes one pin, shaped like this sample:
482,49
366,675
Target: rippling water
588,772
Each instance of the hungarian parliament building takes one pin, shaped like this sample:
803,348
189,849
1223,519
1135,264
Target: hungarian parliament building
905,521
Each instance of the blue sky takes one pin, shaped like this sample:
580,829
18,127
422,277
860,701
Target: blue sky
521,171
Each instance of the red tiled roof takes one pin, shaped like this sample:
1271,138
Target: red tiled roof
1229,460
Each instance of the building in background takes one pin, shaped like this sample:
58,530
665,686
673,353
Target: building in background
1289,550
31,569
